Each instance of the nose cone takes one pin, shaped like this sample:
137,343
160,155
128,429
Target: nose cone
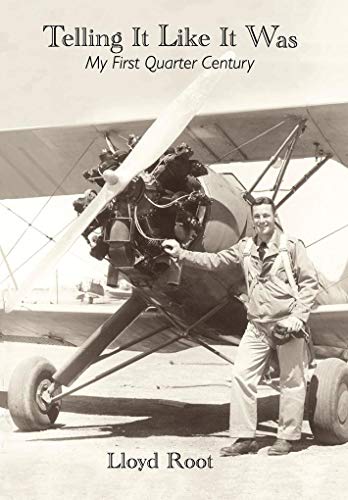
110,177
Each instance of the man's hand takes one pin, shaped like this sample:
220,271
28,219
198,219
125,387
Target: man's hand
172,247
292,324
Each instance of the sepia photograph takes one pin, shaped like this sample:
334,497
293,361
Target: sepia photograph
173,254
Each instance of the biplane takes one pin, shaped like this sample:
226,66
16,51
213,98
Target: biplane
153,191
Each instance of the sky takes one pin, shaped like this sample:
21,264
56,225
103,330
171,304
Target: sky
45,86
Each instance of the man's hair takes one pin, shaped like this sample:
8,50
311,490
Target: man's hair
263,200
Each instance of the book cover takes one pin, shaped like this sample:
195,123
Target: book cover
81,80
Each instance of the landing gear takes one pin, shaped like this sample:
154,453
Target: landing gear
328,402
29,401
28,384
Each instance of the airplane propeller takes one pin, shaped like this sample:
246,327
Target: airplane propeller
159,137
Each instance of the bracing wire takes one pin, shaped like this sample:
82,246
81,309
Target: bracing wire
344,277
28,259
327,235
30,224
258,136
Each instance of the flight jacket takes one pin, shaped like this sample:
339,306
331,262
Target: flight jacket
271,297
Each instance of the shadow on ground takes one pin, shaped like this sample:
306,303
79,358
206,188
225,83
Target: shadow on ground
159,417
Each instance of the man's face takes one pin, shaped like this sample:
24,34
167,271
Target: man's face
264,220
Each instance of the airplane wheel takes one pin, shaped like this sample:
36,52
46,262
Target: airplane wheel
29,380
328,402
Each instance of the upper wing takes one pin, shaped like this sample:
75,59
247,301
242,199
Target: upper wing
43,162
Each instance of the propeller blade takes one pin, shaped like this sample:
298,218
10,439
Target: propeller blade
159,137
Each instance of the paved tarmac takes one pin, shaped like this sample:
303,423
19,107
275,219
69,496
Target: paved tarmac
170,413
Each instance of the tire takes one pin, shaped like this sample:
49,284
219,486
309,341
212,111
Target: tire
328,402
28,411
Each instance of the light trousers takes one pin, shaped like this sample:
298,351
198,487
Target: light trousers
252,357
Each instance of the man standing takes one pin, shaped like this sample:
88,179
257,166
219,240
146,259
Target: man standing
282,285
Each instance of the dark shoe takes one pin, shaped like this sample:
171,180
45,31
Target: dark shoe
280,447
242,446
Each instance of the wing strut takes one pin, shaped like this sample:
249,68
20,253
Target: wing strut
286,160
8,268
113,370
192,336
304,179
294,134
288,145
104,335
